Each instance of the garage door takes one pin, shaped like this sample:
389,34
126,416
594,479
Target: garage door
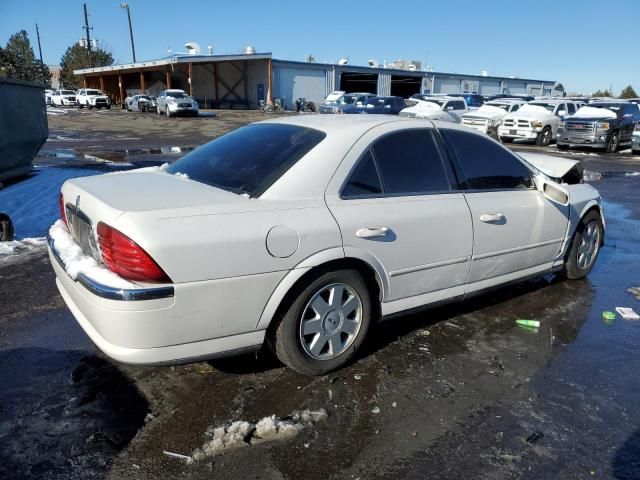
447,85
293,83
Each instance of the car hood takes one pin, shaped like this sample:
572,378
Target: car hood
554,167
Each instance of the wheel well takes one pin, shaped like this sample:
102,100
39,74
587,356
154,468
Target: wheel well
367,272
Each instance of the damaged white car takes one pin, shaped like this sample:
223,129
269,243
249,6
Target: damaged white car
488,117
299,233
537,121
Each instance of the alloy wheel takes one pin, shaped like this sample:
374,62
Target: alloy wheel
589,245
330,321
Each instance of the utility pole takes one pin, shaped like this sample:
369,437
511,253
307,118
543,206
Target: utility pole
87,28
39,46
125,5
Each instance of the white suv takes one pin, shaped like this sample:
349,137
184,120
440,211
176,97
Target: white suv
63,98
446,109
176,102
488,117
91,98
537,120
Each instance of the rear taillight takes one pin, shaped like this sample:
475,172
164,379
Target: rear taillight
125,257
63,213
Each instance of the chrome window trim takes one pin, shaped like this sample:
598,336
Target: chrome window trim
112,293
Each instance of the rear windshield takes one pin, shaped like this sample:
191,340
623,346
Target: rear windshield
250,159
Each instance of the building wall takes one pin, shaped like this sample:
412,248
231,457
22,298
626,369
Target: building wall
291,82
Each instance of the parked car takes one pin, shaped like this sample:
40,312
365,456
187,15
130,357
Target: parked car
92,98
301,232
600,125
47,96
526,98
63,98
635,140
337,101
444,108
141,103
382,105
537,120
176,102
472,100
488,117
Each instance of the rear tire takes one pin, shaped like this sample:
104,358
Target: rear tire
563,147
506,140
335,326
585,246
6,228
544,137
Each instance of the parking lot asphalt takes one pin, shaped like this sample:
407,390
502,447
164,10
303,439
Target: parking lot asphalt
457,391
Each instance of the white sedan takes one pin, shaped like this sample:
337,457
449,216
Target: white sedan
301,232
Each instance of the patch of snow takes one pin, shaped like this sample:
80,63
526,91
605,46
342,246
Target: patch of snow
182,175
77,262
490,109
241,433
32,203
16,247
591,112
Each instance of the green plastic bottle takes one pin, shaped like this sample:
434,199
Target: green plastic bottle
528,323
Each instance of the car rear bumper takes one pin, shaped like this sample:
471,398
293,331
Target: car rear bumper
168,324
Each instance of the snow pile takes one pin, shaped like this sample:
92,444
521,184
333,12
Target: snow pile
182,175
489,110
160,168
592,112
241,434
76,262
18,246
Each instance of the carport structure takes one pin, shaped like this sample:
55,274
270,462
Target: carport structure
215,81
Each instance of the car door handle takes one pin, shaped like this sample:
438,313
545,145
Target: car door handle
491,217
372,232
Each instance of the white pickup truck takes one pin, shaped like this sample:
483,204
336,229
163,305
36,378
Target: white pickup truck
447,109
537,120
92,98
488,117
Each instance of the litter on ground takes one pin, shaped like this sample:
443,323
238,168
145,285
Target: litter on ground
528,323
627,313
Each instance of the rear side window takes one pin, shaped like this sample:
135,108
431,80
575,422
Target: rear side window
250,159
486,164
401,163
572,108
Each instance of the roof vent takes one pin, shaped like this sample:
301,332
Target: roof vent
249,50
484,73
193,48
373,63
343,61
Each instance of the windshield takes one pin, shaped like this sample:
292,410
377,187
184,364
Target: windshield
503,106
348,99
176,94
250,159
548,106
67,92
94,92
609,106
144,97
433,100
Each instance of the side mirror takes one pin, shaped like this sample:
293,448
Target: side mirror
553,191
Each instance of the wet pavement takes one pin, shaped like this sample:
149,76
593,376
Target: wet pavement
457,391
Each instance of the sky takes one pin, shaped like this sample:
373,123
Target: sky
584,44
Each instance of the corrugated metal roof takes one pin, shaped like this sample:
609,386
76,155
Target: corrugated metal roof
173,60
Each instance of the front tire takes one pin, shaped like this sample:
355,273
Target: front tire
614,143
506,140
167,112
585,246
544,137
325,325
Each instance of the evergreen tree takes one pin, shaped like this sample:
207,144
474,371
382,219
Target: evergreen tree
602,93
628,92
77,57
18,61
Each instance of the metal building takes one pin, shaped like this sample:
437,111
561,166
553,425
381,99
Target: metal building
242,80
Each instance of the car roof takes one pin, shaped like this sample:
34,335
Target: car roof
506,100
551,100
333,124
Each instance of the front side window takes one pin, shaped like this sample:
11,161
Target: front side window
250,159
486,164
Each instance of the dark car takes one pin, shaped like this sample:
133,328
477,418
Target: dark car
600,125
389,105
345,101
526,98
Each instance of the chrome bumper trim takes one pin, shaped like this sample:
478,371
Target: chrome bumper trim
112,293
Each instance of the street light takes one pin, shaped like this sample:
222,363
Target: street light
125,5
